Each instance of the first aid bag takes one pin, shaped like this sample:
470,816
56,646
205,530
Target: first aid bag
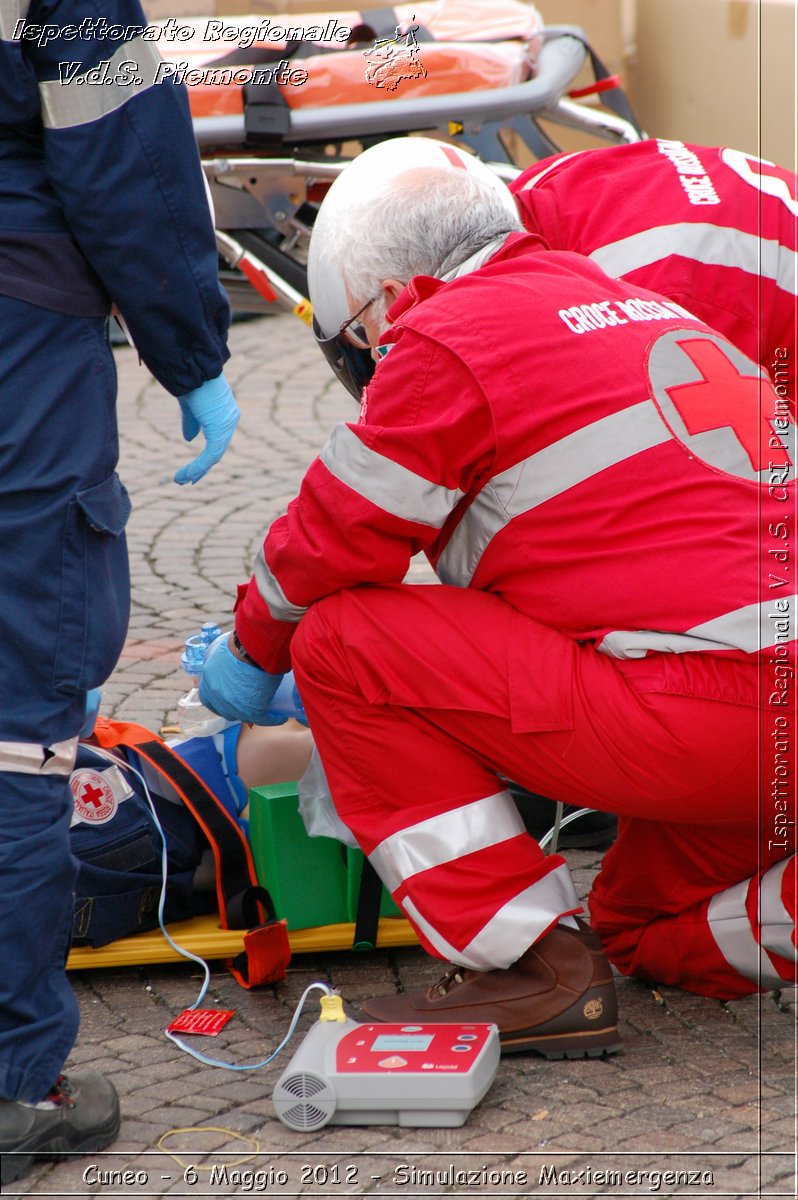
143,820
120,853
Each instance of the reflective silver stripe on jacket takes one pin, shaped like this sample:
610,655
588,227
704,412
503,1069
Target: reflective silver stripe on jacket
704,243
273,596
131,70
777,924
750,629
385,483
11,13
730,926
26,758
513,929
543,476
533,183
445,837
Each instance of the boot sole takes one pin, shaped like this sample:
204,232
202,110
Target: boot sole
16,1163
595,1044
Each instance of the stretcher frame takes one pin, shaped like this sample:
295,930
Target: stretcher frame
266,176
205,937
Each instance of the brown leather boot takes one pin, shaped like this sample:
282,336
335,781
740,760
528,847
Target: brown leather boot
557,1000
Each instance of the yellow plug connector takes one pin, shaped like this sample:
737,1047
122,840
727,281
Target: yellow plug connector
304,310
332,1008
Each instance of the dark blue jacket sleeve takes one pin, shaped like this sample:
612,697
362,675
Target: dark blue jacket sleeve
121,157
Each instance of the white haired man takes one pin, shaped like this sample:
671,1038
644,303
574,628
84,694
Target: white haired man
587,468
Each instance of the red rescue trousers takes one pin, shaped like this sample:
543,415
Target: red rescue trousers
425,699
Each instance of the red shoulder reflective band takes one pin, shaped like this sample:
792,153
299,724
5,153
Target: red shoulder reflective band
599,85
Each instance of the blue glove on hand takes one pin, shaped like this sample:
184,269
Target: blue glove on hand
235,689
212,409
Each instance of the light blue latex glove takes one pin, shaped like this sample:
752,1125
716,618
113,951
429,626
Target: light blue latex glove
93,702
210,408
287,703
235,689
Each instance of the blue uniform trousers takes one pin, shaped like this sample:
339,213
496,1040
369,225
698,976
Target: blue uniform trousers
64,604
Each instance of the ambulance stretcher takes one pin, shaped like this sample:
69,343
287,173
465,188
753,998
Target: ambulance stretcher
488,76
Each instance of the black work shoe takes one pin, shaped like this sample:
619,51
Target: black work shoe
80,1114
557,1000
592,831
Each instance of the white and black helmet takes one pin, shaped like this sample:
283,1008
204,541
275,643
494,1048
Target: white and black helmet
368,173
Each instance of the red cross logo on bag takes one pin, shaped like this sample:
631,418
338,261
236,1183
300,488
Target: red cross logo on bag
92,796
721,405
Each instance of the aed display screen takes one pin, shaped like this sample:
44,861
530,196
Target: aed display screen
402,1041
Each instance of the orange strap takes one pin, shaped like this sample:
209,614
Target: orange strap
239,895
242,902
265,956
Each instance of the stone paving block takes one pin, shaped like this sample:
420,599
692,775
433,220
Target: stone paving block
136,1135
786,1182
571,1146
239,1091
779,1135
748,1089
175,1115
782,1101
750,1116
777,1170
148,1074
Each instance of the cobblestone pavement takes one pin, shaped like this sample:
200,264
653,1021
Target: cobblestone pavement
702,1090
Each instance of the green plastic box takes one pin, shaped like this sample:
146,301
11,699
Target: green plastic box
305,877
312,881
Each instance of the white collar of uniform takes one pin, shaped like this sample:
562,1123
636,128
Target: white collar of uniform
477,260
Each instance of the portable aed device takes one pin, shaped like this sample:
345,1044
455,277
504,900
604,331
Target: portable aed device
346,1073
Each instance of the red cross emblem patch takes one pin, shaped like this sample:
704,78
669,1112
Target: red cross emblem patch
92,796
721,406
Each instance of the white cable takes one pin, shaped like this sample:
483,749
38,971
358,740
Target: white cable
560,823
181,950
218,1062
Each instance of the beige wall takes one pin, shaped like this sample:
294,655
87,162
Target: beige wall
161,10
718,72
707,71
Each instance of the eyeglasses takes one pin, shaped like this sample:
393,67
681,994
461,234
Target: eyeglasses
356,334
353,366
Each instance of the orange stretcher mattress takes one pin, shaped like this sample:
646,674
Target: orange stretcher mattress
475,47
